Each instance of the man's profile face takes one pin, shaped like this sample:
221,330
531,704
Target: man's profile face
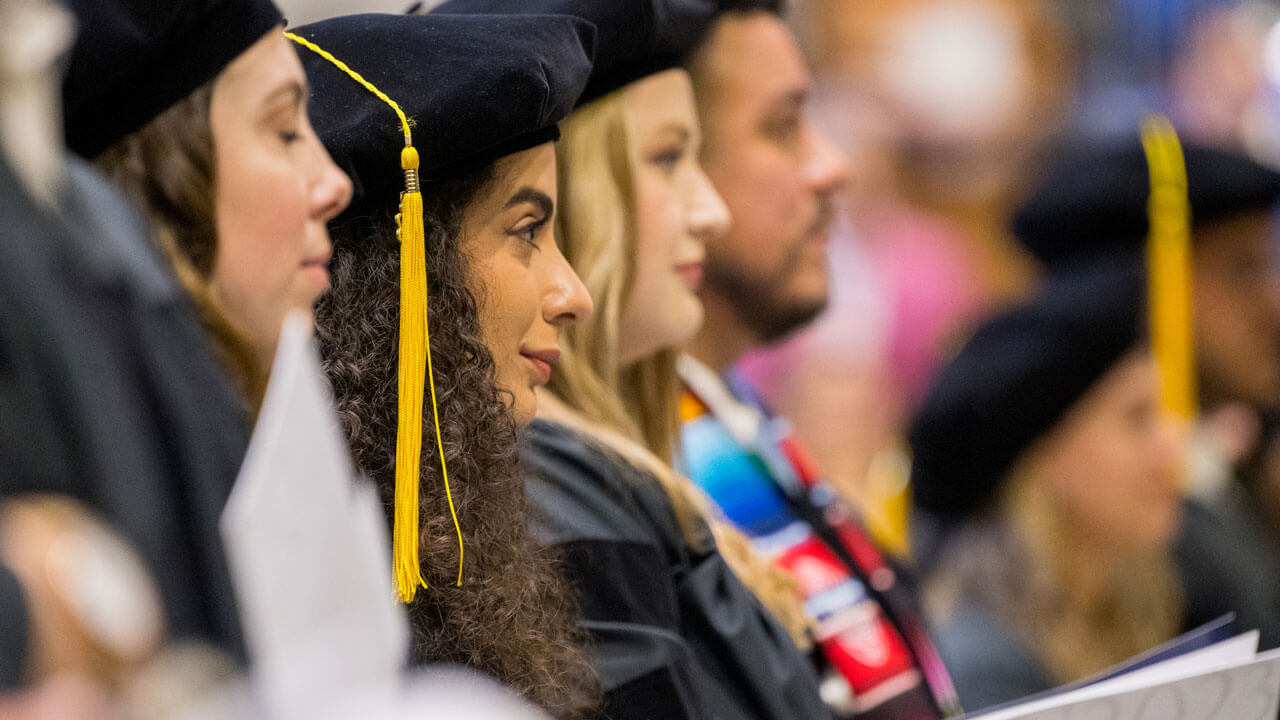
777,173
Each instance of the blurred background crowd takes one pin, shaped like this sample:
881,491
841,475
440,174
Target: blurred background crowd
950,111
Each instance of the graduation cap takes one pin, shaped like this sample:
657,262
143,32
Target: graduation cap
1094,198
1016,378
1099,200
398,99
472,89
1096,278
637,38
134,59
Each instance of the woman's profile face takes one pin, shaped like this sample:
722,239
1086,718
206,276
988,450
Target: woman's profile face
1112,464
677,210
275,188
524,286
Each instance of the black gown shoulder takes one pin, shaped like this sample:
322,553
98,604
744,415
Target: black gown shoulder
674,633
110,393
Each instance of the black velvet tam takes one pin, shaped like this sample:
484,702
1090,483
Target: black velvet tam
636,37
1095,198
1016,378
475,89
134,59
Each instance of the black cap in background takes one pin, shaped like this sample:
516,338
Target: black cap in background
1016,378
1093,197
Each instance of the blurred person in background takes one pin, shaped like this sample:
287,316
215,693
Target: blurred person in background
1224,89
968,92
1222,79
765,278
1093,202
1208,64
1044,448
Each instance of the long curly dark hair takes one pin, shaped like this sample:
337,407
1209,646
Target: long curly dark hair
511,616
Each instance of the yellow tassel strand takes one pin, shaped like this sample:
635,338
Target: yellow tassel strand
1169,267
412,366
414,361
413,305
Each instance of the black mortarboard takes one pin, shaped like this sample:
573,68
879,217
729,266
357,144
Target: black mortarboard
473,88
1095,197
1015,379
636,37
134,59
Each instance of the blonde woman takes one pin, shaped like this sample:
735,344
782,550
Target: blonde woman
674,624
1043,451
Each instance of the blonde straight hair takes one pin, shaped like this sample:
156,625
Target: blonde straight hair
595,226
632,411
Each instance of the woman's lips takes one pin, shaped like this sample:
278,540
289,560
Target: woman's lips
317,272
690,273
317,266
542,361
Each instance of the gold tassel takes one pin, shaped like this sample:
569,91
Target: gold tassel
414,362
412,370
1169,268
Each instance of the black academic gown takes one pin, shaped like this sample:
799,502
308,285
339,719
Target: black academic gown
674,633
109,393
1226,566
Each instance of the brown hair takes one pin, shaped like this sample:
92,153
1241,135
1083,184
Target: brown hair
166,169
511,616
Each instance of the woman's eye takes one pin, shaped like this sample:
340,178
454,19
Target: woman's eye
529,233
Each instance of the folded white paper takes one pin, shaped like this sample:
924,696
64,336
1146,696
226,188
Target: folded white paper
308,551
1226,681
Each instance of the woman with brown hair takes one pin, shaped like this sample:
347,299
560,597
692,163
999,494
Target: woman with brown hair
237,189
195,110
684,619
1043,451
481,117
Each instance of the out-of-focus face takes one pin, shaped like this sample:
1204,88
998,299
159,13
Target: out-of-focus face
677,212
1237,310
525,288
776,171
275,189
1111,465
